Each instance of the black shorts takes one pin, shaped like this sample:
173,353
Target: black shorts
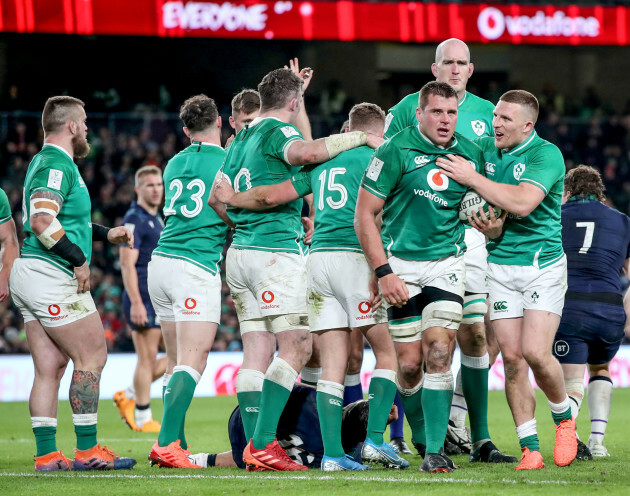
589,332
152,319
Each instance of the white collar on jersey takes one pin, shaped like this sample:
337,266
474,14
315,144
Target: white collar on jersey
59,148
260,119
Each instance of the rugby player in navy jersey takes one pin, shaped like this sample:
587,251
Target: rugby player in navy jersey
145,222
298,432
596,239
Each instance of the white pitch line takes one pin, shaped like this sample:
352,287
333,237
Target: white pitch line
431,480
103,440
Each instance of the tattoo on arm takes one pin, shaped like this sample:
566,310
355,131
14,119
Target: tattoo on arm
84,390
47,195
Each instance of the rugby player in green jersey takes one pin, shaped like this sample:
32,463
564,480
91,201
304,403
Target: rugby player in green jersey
266,270
9,244
474,119
50,285
527,268
184,273
418,261
338,289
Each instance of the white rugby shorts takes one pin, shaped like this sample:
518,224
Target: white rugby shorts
514,288
183,292
266,285
476,260
46,293
338,291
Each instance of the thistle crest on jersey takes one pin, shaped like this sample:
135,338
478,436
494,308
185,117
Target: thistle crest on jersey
478,127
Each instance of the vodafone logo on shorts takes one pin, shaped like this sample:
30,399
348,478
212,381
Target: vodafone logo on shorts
364,307
437,180
366,311
55,310
190,304
267,298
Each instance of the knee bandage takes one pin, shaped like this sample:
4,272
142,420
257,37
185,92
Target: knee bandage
442,313
474,308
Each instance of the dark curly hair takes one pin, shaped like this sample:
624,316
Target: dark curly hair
198,113
584,180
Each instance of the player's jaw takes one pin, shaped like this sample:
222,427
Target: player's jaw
80,146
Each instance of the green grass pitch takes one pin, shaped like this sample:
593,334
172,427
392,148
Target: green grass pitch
207,431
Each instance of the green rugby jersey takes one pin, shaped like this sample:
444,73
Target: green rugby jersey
420,216
257,157
193,231
474,117
335,187
5,208
535,239
52,169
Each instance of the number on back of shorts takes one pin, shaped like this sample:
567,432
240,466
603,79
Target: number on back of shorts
588,235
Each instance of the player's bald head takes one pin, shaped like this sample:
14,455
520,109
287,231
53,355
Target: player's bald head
451,42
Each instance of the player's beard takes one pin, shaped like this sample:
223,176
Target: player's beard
80,147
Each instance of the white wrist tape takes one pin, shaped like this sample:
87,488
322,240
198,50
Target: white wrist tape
52,234
44,206
337,143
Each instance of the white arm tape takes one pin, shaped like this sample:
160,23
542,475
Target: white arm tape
43,210
46,237
337,143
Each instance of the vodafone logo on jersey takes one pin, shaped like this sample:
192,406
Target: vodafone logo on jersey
190,304
437,180
493,23
268,297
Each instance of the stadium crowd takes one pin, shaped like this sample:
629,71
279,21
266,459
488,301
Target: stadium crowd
587,130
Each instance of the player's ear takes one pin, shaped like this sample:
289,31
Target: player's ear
186,131
219,122
232,122
471,69
293,104
73,127
434,69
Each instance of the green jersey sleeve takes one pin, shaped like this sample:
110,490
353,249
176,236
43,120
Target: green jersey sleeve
383,173
401,115
55,176
277,141
302,181
544,168
5,208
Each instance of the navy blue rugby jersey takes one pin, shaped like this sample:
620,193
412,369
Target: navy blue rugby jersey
596,240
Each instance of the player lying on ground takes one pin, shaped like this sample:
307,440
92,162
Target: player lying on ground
298,432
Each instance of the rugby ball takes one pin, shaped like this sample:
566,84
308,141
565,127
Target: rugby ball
472,202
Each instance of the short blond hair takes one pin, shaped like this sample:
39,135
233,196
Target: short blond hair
146,170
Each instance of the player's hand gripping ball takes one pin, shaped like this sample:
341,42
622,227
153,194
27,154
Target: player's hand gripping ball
472,202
